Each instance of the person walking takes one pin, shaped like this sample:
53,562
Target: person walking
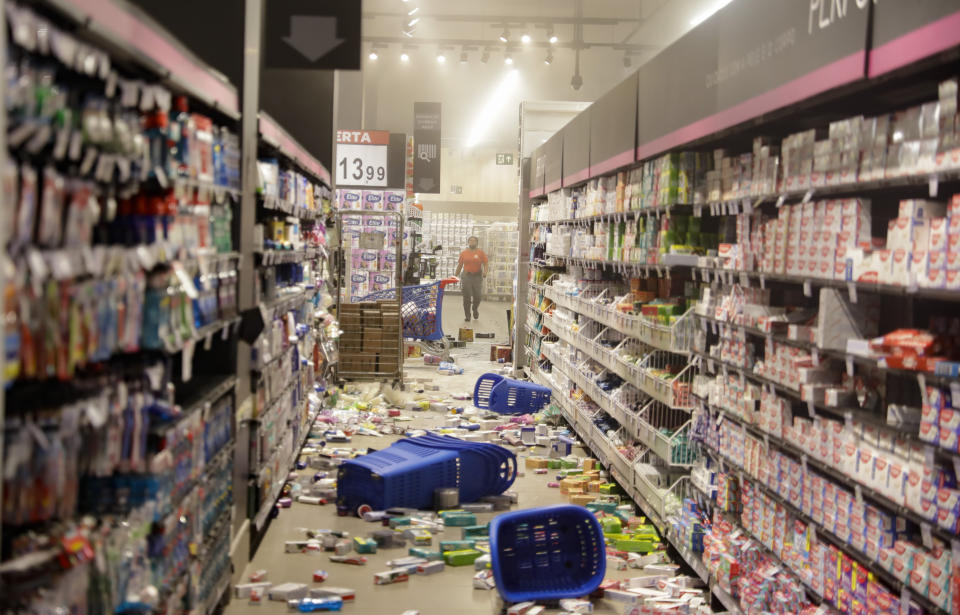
473,264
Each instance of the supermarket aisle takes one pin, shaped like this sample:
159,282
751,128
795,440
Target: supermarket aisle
493,318
442,594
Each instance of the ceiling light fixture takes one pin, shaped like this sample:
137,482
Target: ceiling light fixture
404,57
627,61
441,58
505,35
549,59
373,55
525,38
702,17
553,39
508,60
413,11
463,57
485,56
413,22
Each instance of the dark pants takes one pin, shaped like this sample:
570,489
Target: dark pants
472,285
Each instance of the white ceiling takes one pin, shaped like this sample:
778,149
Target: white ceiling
611,34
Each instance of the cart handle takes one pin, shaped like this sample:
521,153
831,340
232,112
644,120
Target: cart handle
451,280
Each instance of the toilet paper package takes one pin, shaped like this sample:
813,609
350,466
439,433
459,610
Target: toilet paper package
373,200
349,199
359,284
388,260
380,280
369,260
393,200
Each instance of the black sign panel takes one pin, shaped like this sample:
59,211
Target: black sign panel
426,147
905,31
612,133
396,161
576,148
553,163
313,34
750,58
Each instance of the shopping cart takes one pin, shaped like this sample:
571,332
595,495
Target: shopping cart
421,308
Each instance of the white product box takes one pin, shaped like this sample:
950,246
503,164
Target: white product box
920,208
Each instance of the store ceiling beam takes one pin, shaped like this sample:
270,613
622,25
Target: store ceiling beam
495,44
514,20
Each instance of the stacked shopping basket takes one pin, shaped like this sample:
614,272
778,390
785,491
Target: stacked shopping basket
407,473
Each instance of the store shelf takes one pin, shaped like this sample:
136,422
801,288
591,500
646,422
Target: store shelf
729,276
850,189
288,301
679,208
633,269
599,446
273,134
637,375
217,387
894,584
129,32
838,476
279,257
674,338
275,204
210,606
651,436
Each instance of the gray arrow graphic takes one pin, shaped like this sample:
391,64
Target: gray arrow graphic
426,183
314,36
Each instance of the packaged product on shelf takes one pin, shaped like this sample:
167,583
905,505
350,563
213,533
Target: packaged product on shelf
372,200
393,200
349,199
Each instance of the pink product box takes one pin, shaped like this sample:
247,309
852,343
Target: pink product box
948,438
949,417
393,200
929,432
953,240
353,222
350,199
921,208
372,200
351,238
937,241
951,261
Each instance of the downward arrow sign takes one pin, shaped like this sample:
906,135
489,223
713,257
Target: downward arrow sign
314,36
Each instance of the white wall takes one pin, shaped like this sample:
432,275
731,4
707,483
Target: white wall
476,171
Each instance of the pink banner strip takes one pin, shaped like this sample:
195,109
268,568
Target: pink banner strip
832,75
577,177
922,42
127,29
553,186
620,160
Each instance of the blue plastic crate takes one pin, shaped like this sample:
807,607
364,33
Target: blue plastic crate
396,476
508,396
490,469
547,553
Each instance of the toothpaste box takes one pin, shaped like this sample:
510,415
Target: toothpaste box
949,417
937,241
929,432
922,208
948,438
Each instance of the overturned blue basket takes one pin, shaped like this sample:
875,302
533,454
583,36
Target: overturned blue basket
547,553
508,396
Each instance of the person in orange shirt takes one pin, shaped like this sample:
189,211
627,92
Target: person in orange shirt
473,264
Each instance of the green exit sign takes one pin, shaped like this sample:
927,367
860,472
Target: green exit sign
504,158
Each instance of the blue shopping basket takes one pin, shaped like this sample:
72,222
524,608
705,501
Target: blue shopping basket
421,308
396,476
547,553
508,396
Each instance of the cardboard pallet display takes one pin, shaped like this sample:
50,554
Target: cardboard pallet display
370,343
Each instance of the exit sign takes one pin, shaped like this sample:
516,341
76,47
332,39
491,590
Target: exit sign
504,158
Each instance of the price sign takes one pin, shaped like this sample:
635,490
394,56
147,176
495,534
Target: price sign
362,158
